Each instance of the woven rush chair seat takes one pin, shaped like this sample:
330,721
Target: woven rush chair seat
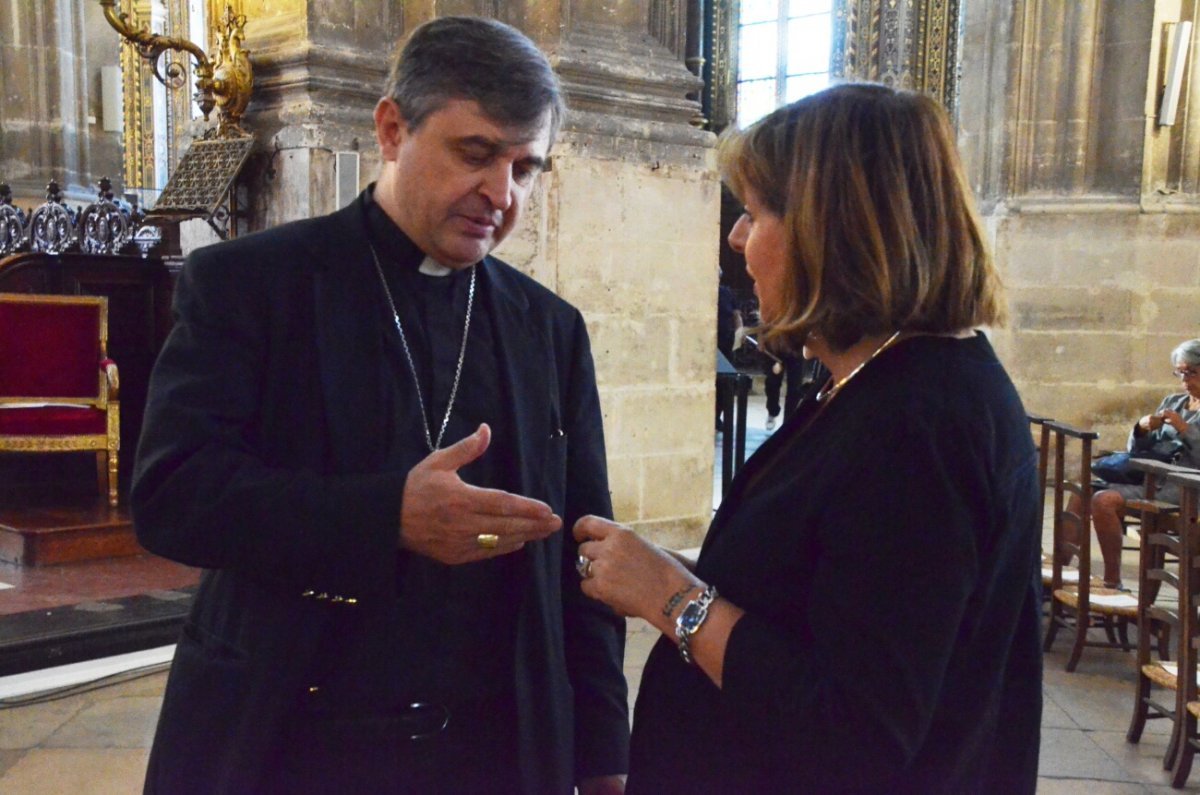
58,388
1101,601
1162,673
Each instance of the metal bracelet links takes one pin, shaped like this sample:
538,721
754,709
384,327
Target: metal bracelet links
691,618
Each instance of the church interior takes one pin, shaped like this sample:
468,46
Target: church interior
135,131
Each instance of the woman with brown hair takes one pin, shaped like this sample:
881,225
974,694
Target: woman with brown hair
863,616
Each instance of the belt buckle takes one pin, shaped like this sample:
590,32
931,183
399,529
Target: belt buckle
424,720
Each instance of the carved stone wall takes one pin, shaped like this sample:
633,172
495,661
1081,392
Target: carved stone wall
1091,205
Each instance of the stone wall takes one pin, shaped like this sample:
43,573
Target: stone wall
1091,205
633,245
1098,302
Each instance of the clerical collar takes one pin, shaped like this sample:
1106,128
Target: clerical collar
391,242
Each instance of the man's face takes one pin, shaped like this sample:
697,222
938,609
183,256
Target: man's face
457,183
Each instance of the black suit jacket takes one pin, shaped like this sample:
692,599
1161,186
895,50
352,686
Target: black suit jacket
260,460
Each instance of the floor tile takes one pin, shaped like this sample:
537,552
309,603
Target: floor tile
1069,753
10,758
55,771
1054,716
110,723
1142,761
27,726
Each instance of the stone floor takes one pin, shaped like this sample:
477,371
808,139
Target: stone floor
96,742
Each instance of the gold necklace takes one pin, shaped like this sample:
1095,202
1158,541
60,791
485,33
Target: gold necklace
827,394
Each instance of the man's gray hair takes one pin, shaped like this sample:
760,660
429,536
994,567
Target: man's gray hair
1186,353
479,59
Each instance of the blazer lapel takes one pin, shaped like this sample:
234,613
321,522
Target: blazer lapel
349,343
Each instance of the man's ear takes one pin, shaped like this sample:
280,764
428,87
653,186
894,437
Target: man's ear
390,128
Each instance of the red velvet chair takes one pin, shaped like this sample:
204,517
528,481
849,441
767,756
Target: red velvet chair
58,388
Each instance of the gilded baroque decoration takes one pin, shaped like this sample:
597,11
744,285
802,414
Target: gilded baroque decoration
902,43
224,80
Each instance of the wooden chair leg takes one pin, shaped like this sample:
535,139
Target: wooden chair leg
1141,709
1123,633
1164,641
1182,765
1109,631
1170,758
1081,630
1051,624
112,478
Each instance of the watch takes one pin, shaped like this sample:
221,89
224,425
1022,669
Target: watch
691,618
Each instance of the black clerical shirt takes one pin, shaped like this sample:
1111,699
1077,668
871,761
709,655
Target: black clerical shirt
449,636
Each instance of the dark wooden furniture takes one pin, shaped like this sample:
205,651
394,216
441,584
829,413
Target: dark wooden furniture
1160,553
44,517
1185,740
1083,605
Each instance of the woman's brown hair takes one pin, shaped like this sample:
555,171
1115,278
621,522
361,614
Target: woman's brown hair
882,227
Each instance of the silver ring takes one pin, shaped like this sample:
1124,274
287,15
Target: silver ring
583,565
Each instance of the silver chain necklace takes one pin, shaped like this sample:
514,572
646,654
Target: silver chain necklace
412,368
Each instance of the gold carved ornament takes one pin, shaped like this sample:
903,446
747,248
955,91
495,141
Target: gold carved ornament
224,80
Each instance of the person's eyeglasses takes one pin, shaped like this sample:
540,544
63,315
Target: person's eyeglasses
1185,372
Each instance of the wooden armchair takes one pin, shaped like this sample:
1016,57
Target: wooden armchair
1080,606
58,388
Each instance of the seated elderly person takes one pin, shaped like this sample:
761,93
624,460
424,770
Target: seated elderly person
1175,424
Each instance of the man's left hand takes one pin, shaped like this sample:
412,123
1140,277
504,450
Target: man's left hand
602,785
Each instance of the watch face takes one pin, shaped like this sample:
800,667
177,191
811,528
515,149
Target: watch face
691,617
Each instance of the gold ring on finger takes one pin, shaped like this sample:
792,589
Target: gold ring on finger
487,540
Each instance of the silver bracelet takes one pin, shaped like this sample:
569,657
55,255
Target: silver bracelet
690,620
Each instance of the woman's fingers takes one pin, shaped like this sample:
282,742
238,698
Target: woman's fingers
594,528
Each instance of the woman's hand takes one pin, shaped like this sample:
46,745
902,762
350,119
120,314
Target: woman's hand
1172,418
631,575
1151,422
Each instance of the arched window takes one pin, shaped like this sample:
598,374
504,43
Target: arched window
783,53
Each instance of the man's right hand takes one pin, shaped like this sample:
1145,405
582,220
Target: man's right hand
442,517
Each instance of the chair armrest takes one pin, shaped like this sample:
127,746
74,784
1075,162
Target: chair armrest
110,373
1152,467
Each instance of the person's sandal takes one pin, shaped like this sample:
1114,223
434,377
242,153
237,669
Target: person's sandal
1117,586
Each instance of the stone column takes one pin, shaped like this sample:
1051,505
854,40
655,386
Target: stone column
1093,213
625,224
48,92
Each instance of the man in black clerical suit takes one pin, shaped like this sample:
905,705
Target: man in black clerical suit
371,434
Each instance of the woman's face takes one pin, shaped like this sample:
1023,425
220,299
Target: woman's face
1189,376
761,237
